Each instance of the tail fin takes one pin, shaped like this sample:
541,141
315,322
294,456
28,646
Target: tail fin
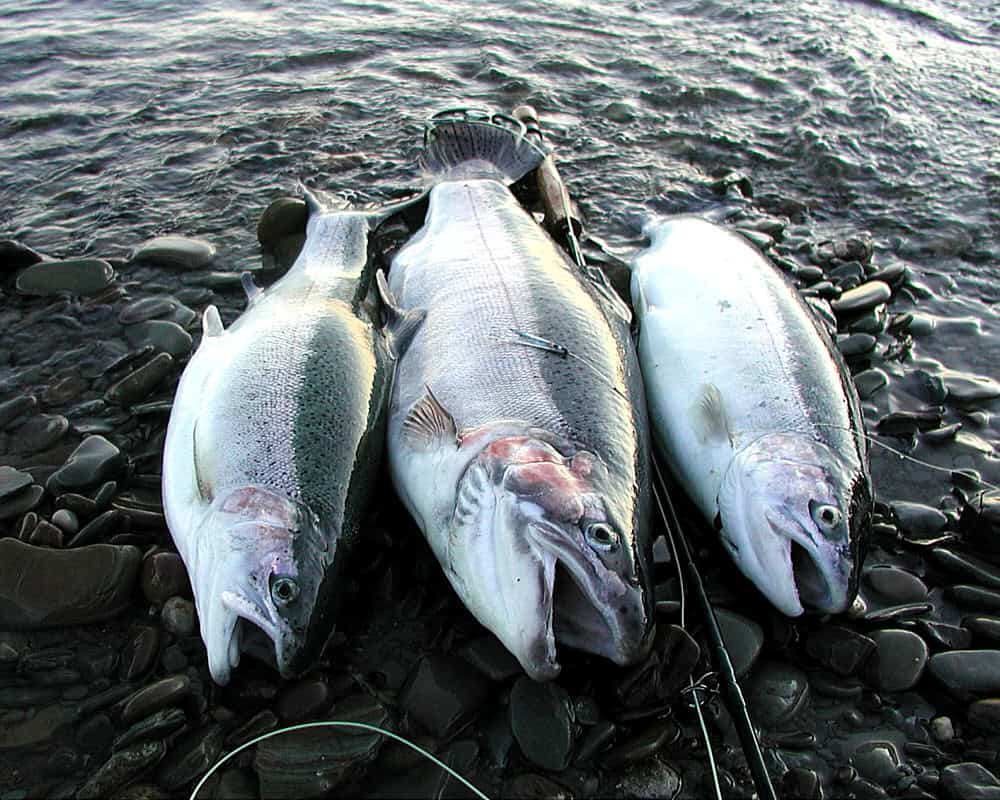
462,145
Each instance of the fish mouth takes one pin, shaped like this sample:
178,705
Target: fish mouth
226,628
800,575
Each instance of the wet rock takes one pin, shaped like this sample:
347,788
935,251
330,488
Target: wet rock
163,576
862,298
46,534
37,729
44,588
919,520
303,699
839,649
967,567
974,598
985,630
15,408
895,585
178,617
443,694
157,726
190,758
905,424
166,692
985,715
967,671
22,502
236,784
642,744
260,723
15,255
980,520
595,740
541,720
877,761
869,382
66,521
856,344
26,696
942,729
897,613
145,309
163,335
801,783
285,216
970,390
944,636
898,662
39,433
310,763
758,239
99,529
12,481
140,653
534,787
969,781
491,658
79,276
838,686
743,637
177,252
93,462
124,766
142,382
777,693
733,184
664,672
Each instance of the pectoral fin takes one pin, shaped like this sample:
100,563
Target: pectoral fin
211,322
252,289
401,325
708,416
429,424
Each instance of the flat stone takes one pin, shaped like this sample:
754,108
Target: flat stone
877,761
27,696
15,255
906,424
594,740
970,390
93,462
541,720
163,335
303,699
491,658
855,345
973,597
801,783
839,649
46,534
895,585
944,636
985,715
42,588
66,521
190,758
122,767
967,567
777,693
79,276
969,781
285,216
641,745
17,407
443,694
862,298
985,630
146,308
178,617
150,699
37,729
156,726
968,671
140,653
841,687
178,252
918,519
12,481
39,433
22,502
529,786
163,576
869,382
898,662
743,638
139,384
100,529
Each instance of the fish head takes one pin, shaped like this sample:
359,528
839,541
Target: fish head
794,516
536,555
264,568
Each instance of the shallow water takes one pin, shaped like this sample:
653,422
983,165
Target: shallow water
124,120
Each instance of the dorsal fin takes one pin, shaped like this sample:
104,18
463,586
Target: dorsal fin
402,325
429,423
211,322
252,289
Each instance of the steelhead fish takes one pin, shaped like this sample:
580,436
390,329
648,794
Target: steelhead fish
517,428
754,411
273,446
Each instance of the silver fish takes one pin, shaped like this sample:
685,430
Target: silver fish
753,409
273,445
517,429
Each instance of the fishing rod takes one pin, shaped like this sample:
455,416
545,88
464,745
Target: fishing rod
562,222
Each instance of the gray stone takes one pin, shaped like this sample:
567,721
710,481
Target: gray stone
801,783
177,252
163,576
862,298
541,720
443,694
140,653
178,617
99,529
39,433
156,726
969,781
491,658
919,520
46,534
967,567
36,729
163,335
641,745
122,767
12,481
150,699
189,758
42,588
143,381
303,699
985,715
985,630
968,671
898,662
877,761
22,502
895,585
869,382
15,255
66,521
17,407
970,390
79,276
839,649
93,462
777,693
856,344
145,309
285,216
743,638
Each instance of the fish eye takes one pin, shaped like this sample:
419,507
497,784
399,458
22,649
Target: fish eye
827,517
601,536
284,591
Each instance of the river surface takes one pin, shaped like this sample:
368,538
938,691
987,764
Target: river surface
123,120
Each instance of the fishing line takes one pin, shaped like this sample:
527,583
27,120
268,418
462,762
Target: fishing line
333,724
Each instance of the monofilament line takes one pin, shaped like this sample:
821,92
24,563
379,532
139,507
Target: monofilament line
332,723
